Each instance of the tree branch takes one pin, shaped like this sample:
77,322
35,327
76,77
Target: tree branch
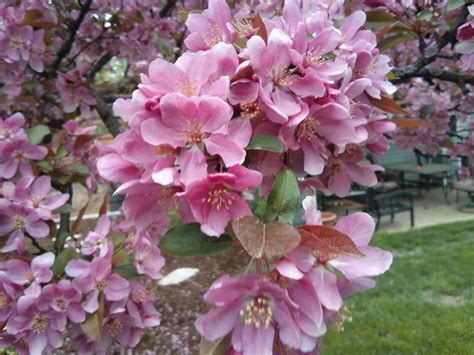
431,53
111,122
36,245
67,45
98,65
168,8
440,74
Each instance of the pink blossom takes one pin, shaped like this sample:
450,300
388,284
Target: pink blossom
41,330
96,241
96,277
37,197
253,309
210,27
360,228
15,220
140,306
312,215
37,51
147,257
194,121
214,201
11,126
15,155
16,43
72,127
8,295
63,300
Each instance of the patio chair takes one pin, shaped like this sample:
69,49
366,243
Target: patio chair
467,186
386,181
390,203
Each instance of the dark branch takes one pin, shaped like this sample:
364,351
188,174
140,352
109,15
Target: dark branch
67,45
111,122
431,53
440,74
36,245
98,65
167,10
437,73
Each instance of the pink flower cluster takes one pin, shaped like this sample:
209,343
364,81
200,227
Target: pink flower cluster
38,305
25,201
294,81
290,306
305,82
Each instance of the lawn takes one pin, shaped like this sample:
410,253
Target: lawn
423,305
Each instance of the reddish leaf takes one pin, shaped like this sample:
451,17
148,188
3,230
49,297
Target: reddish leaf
82,141
34,18
78,220
265,240
386,104
410,123
244,73
259,25
327,243
104,206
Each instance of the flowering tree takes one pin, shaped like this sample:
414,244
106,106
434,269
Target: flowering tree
438,86
239,116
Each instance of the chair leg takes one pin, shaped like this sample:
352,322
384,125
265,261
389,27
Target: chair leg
378,223
392,217
412,218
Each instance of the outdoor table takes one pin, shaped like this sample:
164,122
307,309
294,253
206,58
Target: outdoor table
426,172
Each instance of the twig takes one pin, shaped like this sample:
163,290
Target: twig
67,45
64,221
436,73
168,8
111,122
430,54
98,65
36,245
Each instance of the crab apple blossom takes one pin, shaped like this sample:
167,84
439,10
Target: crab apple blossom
94,277
239,110
214,201
15,221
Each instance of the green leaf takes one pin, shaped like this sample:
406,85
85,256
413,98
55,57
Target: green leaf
379,19
284,199
79,168
61,152
425,15
45,165
36,134
380,16
393,41
63,258
188,240
126,270
454,4
219,347
266,142
62,179
93,324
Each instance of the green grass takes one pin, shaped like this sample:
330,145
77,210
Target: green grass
423,305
